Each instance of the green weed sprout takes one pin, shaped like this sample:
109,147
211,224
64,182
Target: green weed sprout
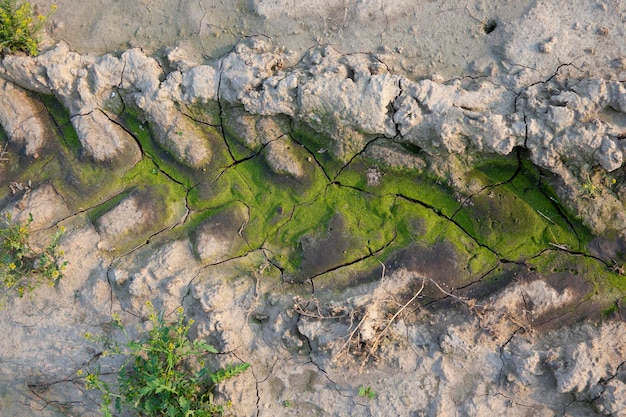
21,268
367,392
19,27
164,373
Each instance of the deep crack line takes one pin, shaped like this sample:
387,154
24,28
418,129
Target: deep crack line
87,209
356,156
314,158
604,381
451,220
481,278
351,187
313,362
354,261
562,248
220,69
558,208
200,122
494,185
501,371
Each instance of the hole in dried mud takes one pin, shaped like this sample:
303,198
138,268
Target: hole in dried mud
490,26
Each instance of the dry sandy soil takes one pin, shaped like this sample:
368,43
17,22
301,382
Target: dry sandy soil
447,324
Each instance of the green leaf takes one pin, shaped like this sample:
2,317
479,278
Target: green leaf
201,344
159,380
228,372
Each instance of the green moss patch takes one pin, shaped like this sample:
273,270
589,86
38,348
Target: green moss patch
324,220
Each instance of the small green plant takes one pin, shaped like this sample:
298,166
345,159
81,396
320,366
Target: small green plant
164,374
22,269
591,189
19,26
367,392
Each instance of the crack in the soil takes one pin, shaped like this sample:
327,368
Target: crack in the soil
151,236
501,355
527,87
461,288
201,122
351,187
604,381
256,383
37,390
222,130
563,248
439,213
145,154
32,116
356,155
558,207
124,128
565,407
87,209
371,253
313,362
235,162
203,268
314,158
494,185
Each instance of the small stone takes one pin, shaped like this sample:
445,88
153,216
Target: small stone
260,316
602,31
546,46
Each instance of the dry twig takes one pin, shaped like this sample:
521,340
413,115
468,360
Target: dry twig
3,152
380,336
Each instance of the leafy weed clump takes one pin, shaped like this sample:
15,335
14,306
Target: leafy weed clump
21,268
19,27
163,374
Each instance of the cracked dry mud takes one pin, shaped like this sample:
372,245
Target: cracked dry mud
338,205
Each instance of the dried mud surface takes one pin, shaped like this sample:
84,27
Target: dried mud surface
424,200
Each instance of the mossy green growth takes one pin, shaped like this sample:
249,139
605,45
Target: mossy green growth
336,214
61,118
518,216
357,210
531,185
168,163
339,227
320,148
161,200
512,214
161,159
421,224
614,278
82,183
271,198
